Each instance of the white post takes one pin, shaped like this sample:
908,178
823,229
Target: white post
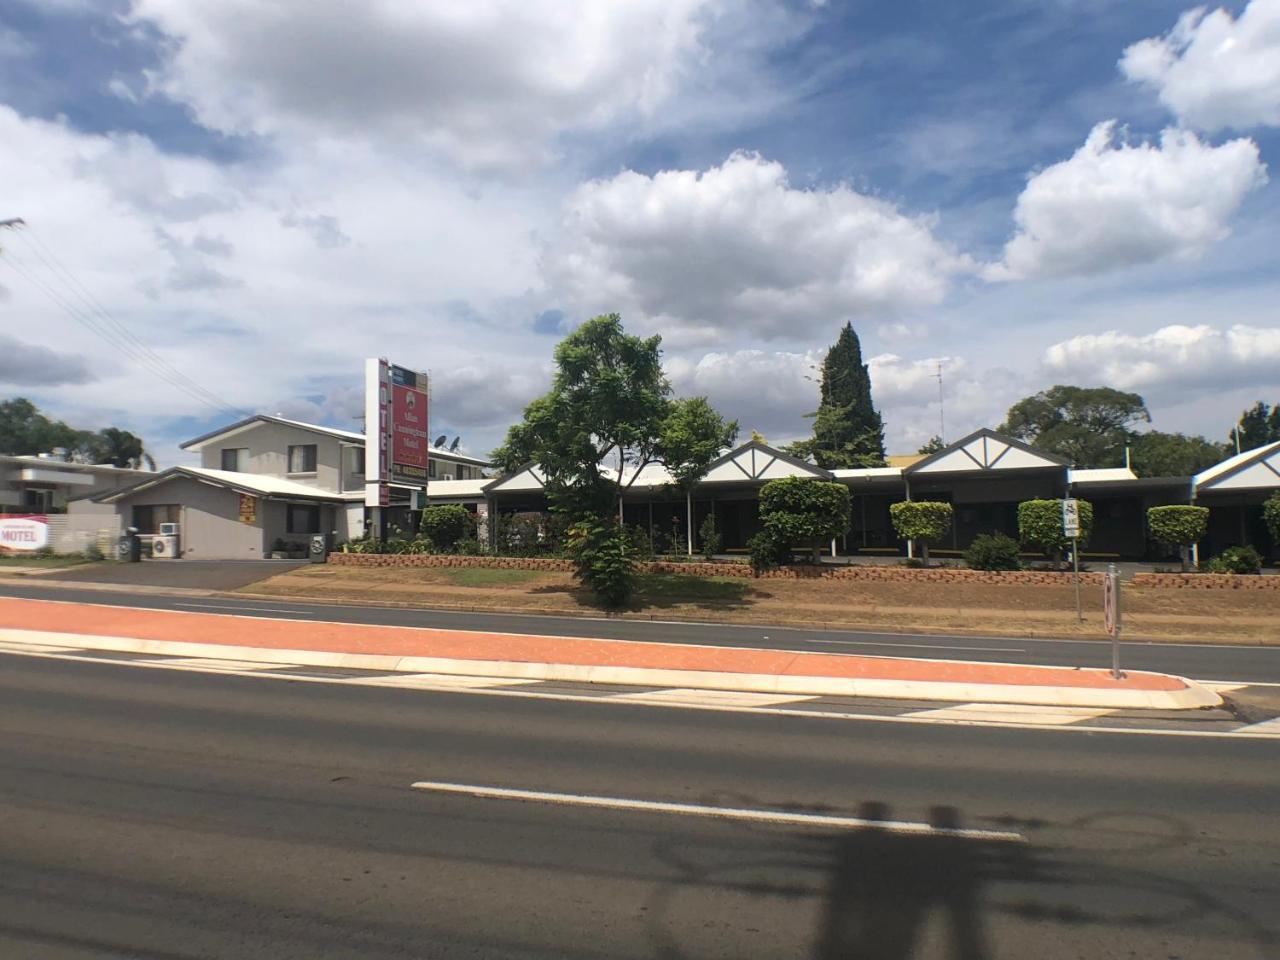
833,548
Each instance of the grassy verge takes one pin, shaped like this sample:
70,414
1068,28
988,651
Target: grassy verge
16,562
486,577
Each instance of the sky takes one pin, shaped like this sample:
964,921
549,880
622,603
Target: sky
230,205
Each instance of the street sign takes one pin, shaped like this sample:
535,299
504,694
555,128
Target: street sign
1071,518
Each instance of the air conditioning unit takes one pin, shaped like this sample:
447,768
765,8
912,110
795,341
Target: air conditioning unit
164,548
169,529
447,476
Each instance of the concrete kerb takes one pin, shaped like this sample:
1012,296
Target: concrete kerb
1191,697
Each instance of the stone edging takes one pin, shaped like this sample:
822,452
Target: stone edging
1205,581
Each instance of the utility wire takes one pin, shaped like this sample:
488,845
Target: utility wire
100,321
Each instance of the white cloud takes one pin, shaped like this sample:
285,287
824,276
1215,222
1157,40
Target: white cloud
1174,362
737,249
484,82
1214,71
27,364
1115,204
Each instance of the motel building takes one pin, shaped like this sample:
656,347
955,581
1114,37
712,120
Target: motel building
984,476
266,485
266,481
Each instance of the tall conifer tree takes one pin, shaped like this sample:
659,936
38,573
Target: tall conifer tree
847,430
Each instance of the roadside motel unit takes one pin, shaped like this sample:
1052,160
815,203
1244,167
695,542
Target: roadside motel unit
984,475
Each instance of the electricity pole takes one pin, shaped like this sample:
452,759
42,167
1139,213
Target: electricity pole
942,419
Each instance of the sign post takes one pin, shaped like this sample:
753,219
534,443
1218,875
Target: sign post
396,439
1071,528
1111,615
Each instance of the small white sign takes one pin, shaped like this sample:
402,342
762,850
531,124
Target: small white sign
24,532
1071,518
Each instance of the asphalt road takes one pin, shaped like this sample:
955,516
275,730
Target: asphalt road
190,574
163,815
1203,662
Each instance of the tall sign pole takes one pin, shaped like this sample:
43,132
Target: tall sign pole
1071,529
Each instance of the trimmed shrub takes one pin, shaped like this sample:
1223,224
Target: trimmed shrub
602,557
1040,526
802,509
641,545
1178,526
993,551
446,524
921,521
1271,515
1241,560
710,540
767,552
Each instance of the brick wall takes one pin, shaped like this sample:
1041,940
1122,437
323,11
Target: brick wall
1205,581
862,572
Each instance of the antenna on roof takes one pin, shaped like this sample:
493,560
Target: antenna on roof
440,440
453,447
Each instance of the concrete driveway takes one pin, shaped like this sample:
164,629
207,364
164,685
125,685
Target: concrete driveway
191,574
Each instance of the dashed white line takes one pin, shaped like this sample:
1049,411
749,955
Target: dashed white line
916,646
1012,713
721,813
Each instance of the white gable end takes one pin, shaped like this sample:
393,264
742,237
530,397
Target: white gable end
952,462
524,480
1265,474
982,453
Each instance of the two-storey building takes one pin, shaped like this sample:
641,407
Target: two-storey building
266,484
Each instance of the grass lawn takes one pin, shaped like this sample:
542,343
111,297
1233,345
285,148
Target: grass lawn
14,561
486,577
896,606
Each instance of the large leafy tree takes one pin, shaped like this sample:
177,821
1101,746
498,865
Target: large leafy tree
608,415
1259,425
25,431
1090,426
1156,454
847,430
119,448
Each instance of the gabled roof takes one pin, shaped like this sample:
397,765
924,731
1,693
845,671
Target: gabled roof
758,461
1258,468
254,484
239,425
985,450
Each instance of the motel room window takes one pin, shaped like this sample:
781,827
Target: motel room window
147,517
236,459
302,518
302,458
431,469
355,461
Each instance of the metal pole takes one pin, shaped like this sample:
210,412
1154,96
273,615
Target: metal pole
1115,630
688,512
1075,563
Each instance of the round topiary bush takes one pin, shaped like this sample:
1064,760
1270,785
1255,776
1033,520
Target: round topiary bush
1178,526
446,524
993,551
1040,525
921,521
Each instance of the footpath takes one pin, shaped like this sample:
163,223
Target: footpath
542,658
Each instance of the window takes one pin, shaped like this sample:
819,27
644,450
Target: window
36,501
302,519
302,458
235,458
355,461
431,469
148,517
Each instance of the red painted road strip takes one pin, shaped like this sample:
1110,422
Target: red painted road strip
230,630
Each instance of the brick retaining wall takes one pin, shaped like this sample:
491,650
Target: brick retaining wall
861,572
1205,581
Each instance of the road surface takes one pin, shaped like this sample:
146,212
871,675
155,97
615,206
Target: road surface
164,815
1251,664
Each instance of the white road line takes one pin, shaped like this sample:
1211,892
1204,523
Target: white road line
722,813
445,681
235,606
24,647
1265,728
1012,713
222,666
734,698
1236,684
917,646
529,694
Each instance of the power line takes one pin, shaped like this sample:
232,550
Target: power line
96,318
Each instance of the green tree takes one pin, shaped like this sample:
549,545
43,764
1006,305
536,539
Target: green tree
1090,426
693,435
1271,516
1178,525
799,509
709,538
921,521
1156,454
1259,425
601,422
25,431
847,430
119,448
1040,525
932,445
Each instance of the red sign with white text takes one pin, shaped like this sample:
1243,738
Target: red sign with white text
409,425
24,531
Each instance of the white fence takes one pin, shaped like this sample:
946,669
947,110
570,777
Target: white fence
69,533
